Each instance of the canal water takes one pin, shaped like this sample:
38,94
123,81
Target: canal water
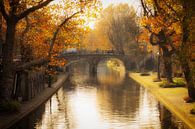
108,100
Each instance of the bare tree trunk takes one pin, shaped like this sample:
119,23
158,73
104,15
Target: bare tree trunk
189,77
185,52
166,53
7,62
167,64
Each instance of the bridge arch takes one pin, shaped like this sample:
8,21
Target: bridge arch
94,59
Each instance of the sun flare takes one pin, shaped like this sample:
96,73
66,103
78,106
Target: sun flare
91,25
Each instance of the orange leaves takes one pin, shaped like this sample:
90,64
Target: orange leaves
144,36
176,27
57,62
156,23
167,16
37,33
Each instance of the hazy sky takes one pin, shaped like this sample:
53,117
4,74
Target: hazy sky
135,3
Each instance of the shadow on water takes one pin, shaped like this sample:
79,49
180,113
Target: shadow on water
30,121
109,100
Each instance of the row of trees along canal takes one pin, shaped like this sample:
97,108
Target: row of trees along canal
38,30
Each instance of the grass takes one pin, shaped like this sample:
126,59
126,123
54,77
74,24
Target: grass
177,82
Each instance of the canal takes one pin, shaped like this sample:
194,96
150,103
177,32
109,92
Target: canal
109,100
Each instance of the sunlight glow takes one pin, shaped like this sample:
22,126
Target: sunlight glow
91,25
134,3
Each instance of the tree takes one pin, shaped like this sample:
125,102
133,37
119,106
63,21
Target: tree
177,14
120,26
13,12
12,16
161,30
184,51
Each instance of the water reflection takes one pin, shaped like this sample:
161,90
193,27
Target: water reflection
108,101
109,76
128,106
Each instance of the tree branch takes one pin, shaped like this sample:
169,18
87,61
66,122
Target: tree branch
32,9
147,10
144,8
171,8
58,29
2,9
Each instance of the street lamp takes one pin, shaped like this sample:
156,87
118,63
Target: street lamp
158,65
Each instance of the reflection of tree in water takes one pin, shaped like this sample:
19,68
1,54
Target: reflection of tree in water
57,113
64,109
115,98
125,104
148,110
119,101
108,76
29,121
168,120
80,73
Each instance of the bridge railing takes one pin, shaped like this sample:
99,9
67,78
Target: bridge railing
97,52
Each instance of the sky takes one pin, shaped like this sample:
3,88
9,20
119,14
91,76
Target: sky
135,3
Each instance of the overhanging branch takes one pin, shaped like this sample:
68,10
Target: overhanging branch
2,9
32,9
58,29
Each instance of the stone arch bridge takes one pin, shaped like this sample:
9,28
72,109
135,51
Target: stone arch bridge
94,58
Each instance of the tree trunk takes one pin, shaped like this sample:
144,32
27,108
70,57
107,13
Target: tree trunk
167,64
190,78
7,77
185,50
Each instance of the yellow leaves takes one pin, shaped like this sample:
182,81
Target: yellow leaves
57,62
177,28
144,21
43,23
150,2
156,24
144,36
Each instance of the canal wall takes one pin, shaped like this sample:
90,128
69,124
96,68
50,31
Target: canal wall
7,120
171,98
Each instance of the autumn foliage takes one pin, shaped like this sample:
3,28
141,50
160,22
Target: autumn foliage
169,24
37,32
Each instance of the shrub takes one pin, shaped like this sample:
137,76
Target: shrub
177,82
10,106
167,85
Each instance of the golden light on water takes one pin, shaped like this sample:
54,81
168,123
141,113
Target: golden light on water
114,75
85,105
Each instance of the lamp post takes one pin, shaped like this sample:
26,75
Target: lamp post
158,65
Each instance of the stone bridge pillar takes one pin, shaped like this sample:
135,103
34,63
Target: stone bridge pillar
127,62
93,64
